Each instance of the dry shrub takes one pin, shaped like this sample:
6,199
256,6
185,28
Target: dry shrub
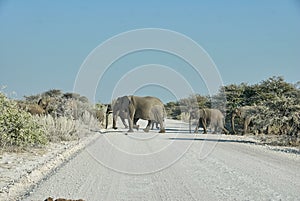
58,129
184,116
88,119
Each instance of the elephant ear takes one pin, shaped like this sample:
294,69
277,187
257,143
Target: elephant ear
131,100
237,112
124,102
131,103
43,103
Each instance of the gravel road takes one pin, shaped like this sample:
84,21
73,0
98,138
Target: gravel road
174,166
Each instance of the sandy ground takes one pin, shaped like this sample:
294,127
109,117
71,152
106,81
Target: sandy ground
20,172
176,165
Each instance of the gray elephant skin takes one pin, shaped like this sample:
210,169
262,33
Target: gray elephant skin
213,118
147,108
247,114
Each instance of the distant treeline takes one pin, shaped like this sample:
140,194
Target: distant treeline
55,116
280,102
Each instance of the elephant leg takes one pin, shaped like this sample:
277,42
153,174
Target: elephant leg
221,123
204,126
106,121
215,127
135,124
131,120
197,127
232,125
115,121
124,122
215,130
107,113
162,127
225,130
148,126
157,127
246,124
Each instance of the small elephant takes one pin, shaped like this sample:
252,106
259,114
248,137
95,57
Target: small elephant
154,123
247,114
213,118
147,108
38,108
107,113
35,109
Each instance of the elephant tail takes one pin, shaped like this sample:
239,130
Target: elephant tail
164,112
158,113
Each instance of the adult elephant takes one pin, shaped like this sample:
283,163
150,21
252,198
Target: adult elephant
147,108
247,114
213,118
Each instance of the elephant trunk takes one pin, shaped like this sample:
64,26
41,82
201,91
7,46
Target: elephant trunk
107,113
232,123
106,120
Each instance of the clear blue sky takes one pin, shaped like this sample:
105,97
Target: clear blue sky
44,43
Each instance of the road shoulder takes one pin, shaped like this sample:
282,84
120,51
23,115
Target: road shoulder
20,172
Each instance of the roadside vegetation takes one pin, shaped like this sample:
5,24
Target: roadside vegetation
278,120
52,116
17,127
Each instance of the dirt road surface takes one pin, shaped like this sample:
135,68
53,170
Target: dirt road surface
174,166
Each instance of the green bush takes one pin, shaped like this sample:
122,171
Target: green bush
68,116
17,127
279,100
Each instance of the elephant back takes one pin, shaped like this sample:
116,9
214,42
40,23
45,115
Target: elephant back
149,107
211,114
